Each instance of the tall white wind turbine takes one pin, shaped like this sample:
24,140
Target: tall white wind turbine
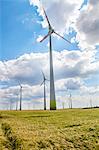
52,86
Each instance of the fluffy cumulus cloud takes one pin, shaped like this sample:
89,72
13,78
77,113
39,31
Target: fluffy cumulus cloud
26,68
67,64
88,24
71,69
66,15
61,13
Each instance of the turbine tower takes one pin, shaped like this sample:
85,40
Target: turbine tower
17,101
52,86
70,101
43,83
20,96
90,98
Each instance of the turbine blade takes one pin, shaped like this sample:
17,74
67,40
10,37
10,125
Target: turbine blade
43,74
19,83
62,37
47,79
44,37
46,15
41,83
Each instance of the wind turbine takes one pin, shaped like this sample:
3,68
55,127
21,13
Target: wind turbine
17,101
20,96
11,104
52,86
43,83
63,104
70,101
6,67
90,100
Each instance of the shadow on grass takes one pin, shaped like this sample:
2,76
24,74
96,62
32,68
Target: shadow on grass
73,125
1,116
37,116
4,116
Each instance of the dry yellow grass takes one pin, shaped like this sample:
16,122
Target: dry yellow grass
75,129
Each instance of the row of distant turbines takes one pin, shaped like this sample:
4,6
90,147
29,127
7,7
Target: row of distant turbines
20,85
18,104
20,95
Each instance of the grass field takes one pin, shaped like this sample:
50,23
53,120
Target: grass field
70,129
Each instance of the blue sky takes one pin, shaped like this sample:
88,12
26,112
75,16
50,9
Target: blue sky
75,65
17,38
19,30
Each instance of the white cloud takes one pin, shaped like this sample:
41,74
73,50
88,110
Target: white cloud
71,68
69,84
88,25
67,64
66,15
40,37
61,13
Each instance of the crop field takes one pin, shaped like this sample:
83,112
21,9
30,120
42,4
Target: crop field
68,129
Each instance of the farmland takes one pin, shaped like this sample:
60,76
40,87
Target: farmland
68,129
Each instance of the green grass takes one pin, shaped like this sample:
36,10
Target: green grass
70,129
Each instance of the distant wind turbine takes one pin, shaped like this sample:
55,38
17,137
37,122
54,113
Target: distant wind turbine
20,93
17,101
10,104
52,86
70,101
63,104
91,103
20,96
90,100
43,83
